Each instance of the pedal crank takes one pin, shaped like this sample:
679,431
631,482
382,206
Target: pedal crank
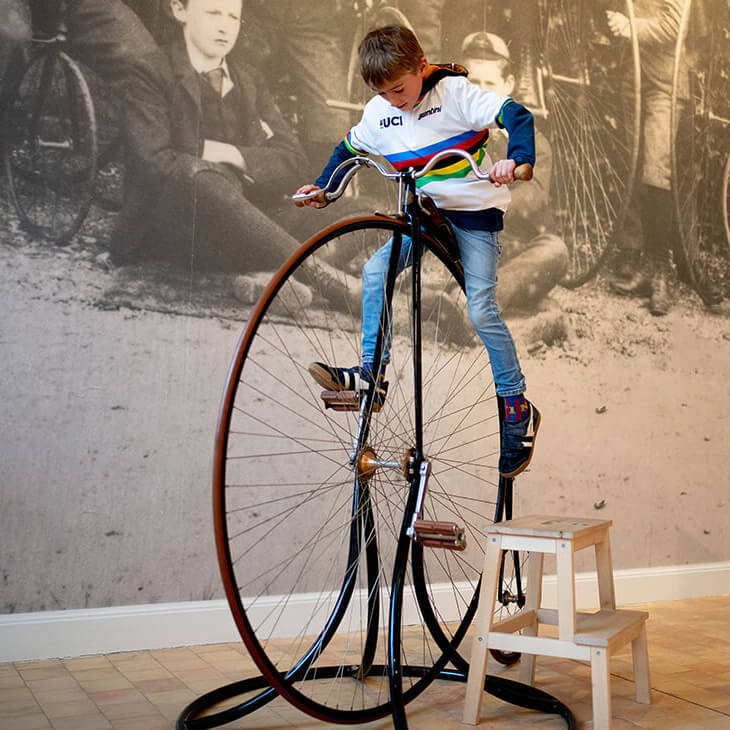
431,533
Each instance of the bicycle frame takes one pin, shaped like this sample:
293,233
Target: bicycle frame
410,211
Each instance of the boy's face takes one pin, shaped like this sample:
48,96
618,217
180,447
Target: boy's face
403,91
211,26
488,75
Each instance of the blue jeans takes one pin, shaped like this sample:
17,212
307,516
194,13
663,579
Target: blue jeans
480,256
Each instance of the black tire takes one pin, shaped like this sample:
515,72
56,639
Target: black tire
592,95
297,532
108,110
701,148
50,150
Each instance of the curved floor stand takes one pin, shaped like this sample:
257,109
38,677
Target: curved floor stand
506,690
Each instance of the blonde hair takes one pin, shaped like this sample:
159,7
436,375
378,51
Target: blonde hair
388,52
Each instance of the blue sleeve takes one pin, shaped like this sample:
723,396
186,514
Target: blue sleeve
340,154
520,127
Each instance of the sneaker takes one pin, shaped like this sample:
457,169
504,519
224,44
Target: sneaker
518,442
358,379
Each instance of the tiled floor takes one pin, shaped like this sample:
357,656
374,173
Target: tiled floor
689,646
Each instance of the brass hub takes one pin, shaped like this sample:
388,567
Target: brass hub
367,463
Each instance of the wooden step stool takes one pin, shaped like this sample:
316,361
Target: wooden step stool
585,636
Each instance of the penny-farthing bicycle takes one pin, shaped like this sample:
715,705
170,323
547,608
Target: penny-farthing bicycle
50,146
350,537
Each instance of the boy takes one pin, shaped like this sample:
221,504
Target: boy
533,260
206,147
436,108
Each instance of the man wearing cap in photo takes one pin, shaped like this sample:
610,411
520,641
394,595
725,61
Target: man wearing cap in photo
533,259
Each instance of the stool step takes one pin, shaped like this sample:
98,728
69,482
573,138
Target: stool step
606,627
551,526
433,533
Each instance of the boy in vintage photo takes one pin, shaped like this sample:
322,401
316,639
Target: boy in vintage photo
206,148
534,258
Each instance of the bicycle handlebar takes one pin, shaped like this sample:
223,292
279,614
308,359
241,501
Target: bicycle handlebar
522,172
353,165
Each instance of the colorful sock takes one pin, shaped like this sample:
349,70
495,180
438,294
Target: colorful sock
515,407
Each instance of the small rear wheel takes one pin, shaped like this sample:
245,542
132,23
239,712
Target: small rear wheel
50,150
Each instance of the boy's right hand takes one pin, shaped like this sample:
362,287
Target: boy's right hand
318,201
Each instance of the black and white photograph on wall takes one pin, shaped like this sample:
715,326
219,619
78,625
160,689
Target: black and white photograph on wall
172,317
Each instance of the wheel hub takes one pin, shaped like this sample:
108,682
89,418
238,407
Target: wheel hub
367,463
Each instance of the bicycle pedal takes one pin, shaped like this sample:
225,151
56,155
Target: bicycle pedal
341,400
344,400
433,533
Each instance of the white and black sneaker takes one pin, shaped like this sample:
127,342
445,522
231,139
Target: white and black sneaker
359,379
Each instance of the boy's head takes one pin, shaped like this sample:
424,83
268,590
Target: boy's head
393,64
487,57
210,26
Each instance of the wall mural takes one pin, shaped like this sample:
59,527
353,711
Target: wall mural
146,207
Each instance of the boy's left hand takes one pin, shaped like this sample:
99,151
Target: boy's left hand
502,172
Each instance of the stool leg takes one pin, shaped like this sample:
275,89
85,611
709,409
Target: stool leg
601,687
566,589
640,658
484,619
604,567
534,599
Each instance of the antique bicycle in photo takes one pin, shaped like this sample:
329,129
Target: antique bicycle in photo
349,536
50,143
61,135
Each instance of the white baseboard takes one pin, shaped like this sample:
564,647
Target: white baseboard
72,633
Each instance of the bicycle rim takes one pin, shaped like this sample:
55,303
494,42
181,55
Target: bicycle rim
305,546
701,148
50,150
592,89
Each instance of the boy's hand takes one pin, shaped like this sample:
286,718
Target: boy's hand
317,202
502,172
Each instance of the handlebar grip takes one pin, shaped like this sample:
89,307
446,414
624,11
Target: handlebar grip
523,172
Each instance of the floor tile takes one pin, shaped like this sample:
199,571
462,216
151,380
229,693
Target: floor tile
147,690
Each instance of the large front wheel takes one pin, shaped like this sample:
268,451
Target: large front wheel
308,516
